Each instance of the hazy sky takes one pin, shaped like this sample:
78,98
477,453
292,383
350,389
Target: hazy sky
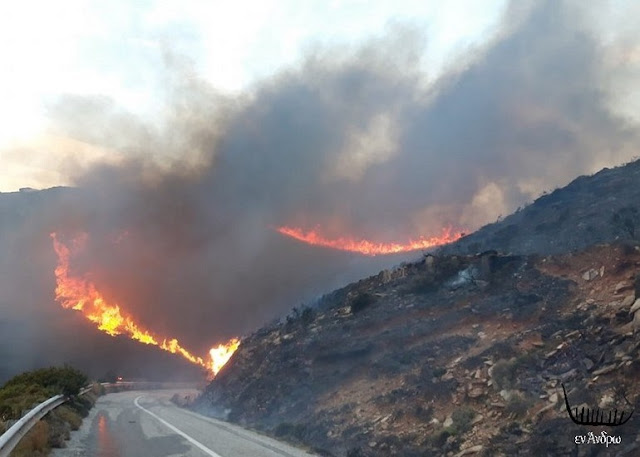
116,49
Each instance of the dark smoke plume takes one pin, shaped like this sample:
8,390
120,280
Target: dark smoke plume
181,225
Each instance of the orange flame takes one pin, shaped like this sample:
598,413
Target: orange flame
369,247
221,354
81,295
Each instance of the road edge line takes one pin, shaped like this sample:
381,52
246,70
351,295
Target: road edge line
193,441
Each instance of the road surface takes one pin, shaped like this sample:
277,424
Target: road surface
146,423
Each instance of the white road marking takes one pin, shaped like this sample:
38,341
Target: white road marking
196,443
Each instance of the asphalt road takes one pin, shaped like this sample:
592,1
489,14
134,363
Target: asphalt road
147,424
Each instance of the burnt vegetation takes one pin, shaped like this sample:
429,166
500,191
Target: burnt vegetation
418,359
361,302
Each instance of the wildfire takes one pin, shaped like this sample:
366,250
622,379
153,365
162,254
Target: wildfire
81,295
221,354
369,247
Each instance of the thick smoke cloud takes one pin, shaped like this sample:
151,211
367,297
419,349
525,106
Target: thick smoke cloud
181,220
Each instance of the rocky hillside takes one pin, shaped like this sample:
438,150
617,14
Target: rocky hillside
458,354
590,210
450,356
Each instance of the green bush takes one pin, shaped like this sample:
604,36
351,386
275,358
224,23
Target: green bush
24,391
422,285
69,416
439,372
361,302
462,418
81,405
289,430
518,405
16,399
439,438
505,372
56,380
626,220
307,316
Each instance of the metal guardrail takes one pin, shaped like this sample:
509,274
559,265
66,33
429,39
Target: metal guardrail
148,385
10,439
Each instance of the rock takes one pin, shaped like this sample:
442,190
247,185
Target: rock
588,364
448,422
628,301
571,334
602,271
569,374
428,261
507,394
622,286
372,444
476,392
604,370
635,307
590,274
605,401
553,398
545,409
635,324
470,450
614,304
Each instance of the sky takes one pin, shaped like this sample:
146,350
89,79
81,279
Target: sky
116,49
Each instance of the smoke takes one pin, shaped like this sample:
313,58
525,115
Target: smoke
354,141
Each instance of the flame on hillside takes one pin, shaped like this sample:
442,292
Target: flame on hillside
81,295
367,247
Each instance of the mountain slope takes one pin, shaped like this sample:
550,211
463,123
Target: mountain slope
590,210
463,354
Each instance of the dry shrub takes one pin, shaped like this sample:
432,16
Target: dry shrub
34,443
69,416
